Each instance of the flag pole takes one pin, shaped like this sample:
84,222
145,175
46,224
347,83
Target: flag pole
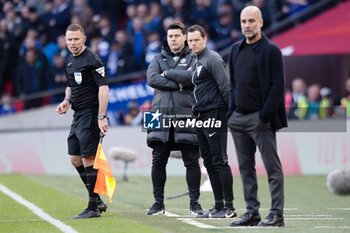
101,137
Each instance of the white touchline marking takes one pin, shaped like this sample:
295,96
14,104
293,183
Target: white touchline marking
176,209
207,226
22,220
184,216
338,208
190,220
313,218
288,217
333,227
240,209
196,224
36,210
307,215
288,209
169,214
216,219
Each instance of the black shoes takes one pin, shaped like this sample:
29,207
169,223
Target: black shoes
101,206
224,213
272,220
215,213
206,215
195,208
251,219
88,214
248,219
229,212
156,209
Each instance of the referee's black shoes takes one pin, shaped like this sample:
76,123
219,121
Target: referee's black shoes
272,220
248,219
88,214
101,206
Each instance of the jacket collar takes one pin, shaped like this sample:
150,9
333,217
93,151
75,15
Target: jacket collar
202,52
166,50
256,45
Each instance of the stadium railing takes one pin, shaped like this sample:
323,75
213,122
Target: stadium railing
57,91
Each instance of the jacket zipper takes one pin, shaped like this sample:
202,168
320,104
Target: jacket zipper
195,86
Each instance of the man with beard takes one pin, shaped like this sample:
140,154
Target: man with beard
256,112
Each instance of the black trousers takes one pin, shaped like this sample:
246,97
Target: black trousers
212,145
190,156
249,132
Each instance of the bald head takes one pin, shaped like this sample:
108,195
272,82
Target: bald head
251,24
252,10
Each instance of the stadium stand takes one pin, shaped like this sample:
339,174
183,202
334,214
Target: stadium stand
125,34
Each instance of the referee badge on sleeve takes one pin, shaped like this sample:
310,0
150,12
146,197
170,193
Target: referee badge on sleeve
101,71
78,77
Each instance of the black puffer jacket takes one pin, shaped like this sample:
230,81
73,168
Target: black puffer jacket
168,97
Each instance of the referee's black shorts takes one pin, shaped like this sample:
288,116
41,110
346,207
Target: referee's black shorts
84,134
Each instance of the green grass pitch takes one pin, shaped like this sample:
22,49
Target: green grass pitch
309,206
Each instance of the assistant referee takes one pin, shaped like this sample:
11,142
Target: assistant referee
87,93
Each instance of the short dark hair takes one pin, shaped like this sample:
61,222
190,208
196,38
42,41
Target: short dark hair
75,27
197,27
177,25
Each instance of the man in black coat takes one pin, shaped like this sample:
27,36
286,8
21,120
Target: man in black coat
256,111
169,73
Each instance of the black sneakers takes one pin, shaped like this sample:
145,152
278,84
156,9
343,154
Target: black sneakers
101,206
195,208
215,213
88,214
156,209
206,215
224,213
229,212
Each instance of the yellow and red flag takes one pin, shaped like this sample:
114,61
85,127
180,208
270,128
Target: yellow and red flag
105,182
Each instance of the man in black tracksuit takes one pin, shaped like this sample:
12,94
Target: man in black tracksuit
211,95
87,93
169,73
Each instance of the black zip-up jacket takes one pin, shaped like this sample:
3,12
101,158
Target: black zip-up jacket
211,82
171,98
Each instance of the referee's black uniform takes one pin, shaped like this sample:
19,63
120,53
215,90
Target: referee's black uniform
85,74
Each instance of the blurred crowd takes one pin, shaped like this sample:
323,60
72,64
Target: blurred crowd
303,102
314,102
126,34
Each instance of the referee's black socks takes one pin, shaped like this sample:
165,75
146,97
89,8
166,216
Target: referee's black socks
91,175
82,174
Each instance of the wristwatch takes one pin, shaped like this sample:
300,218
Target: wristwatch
101,116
